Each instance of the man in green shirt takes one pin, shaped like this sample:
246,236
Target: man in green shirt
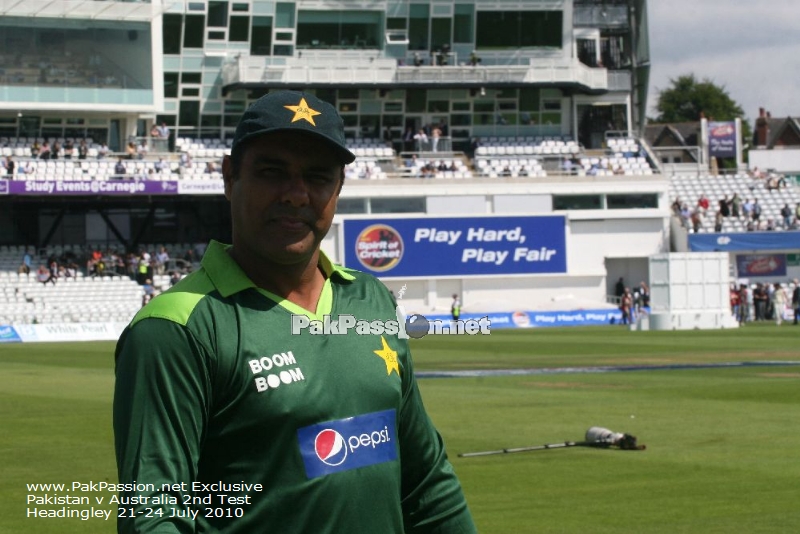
227,421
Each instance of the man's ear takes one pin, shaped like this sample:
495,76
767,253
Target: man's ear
227,175
341,183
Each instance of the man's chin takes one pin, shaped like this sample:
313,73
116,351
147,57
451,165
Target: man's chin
292,252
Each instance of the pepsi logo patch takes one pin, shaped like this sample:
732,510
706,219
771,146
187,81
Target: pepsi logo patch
359,441
330,447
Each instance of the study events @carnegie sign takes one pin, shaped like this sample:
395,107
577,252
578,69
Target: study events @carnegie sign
456,246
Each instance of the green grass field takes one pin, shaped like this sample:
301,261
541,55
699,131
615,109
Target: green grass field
721,442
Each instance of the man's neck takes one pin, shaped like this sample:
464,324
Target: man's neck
300,283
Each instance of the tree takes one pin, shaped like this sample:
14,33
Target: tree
687,99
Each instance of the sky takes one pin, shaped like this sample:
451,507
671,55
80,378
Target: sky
749,47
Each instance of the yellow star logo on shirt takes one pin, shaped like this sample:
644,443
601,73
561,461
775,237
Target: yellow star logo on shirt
389,356
303,112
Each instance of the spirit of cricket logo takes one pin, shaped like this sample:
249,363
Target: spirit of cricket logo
350,443
413,326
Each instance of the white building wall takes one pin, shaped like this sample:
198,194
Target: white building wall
782,160
589,244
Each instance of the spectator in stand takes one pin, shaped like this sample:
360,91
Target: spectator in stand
718,220
36,149
474,59
747,209
163,131
697,220
677,206
175,278
69,149
149,292
160,165
422,140
43,275
44,152
756,212
771,183
566,165
83,149
797,215
786,213
141,149
143,270
436,134
154,132
725,207
102,151
211,168
770,225
9,166
408,139
55,152
685,215
474,145
26,263
53,267
162,257
119,169
736,205
703,203
185,162
131,265
130,151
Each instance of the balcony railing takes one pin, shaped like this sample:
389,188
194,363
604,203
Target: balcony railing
385,71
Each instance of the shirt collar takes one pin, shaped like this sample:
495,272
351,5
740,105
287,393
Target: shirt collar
229,278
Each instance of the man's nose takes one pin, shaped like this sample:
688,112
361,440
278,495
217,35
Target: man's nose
295,190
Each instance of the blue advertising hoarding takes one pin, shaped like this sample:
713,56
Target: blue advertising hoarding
8,334
744,241
538,319
722,139
748,265
456,246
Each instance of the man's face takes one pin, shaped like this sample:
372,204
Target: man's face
283,199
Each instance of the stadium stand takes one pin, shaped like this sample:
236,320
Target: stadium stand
80,299
111,295
525,125
688,189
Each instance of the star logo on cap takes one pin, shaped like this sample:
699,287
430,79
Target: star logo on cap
303,112
389,356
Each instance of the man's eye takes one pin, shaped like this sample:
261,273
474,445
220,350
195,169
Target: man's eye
269,171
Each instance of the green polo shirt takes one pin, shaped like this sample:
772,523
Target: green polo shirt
277,427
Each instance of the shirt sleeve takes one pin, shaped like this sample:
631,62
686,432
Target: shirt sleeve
432,499
161,407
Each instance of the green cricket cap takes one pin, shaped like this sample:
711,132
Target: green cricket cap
286,111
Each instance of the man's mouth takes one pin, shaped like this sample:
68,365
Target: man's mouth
291,223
